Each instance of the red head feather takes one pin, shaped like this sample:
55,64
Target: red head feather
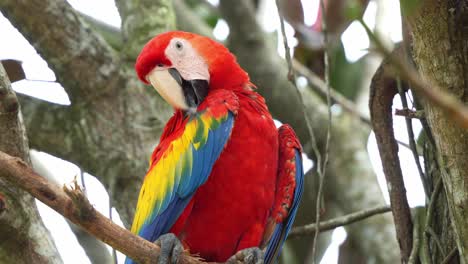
224,70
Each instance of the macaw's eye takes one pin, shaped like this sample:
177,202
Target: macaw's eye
160,65
178,45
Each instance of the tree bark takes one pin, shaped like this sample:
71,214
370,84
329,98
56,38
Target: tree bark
23,236
440,51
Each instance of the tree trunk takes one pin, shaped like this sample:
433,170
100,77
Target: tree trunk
23,236
440,50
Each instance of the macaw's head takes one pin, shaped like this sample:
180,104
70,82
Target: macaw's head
184,67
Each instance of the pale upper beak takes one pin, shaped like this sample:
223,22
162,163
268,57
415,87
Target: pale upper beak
168,87
182,94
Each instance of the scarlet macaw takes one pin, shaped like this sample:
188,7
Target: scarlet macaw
223,179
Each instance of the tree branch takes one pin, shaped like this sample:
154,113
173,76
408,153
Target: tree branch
337,222
383,89
454,108
72,204
23,236
110,33
142,20
187,20
84,63
95,250
320,87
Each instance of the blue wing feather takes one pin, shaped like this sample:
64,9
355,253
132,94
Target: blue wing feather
190,172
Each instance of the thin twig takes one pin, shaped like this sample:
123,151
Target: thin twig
455,108
412,142
114,252
290,70
413,258
322,170
82,178
321,87
291,75
434,236
337,222
401,143
418,114
430,209
450,255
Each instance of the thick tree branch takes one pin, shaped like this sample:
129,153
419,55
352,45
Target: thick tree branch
23,237
142,20
454,108
383,89
338,221
72,204
187,20
84,63
110,33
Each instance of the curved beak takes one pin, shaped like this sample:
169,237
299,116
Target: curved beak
178,92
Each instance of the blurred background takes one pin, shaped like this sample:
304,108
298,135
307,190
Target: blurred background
355,180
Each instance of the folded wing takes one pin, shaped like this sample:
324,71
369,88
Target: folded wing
182,162
290,184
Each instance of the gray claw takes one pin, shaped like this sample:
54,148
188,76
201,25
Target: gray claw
252,255
171,248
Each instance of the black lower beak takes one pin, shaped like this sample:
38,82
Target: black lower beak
195,91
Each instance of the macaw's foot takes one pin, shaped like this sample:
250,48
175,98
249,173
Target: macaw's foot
171,248
252,255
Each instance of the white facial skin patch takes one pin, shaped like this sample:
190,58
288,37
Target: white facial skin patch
189,64
167,87
186,60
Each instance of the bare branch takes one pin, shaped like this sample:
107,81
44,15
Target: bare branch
450,255
310,229
383,89
84,63
412,142
23,236
320,87
322,168
95,250
142,20
418,114
455,108
187,20
72,204
110,33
